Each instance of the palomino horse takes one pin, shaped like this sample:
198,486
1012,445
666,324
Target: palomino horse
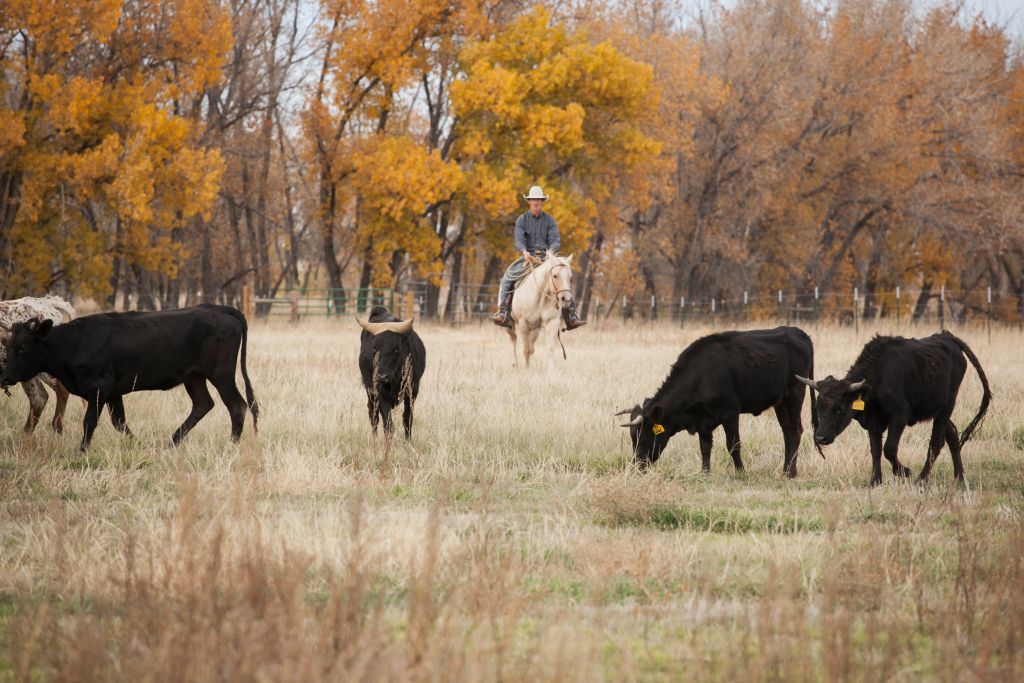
537,306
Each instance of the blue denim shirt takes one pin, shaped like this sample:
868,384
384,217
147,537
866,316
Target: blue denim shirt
537,234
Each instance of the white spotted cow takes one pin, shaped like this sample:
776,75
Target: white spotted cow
35,308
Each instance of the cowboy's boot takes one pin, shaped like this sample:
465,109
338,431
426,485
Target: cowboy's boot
572,321
503,318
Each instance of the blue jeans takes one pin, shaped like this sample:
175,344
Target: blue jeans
512,274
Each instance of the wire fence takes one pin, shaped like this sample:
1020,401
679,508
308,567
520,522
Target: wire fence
468,303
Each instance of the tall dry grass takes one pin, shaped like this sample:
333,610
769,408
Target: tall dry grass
510,539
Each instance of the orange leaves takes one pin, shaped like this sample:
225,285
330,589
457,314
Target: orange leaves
395,180
92,135
539,103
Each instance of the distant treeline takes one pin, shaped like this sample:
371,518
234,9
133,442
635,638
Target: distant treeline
154,154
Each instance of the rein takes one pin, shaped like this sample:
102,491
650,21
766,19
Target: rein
554,285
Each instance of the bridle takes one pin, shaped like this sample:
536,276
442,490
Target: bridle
554,283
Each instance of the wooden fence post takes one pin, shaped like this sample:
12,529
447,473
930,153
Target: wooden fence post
293,297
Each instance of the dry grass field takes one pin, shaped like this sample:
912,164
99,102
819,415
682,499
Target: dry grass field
511,539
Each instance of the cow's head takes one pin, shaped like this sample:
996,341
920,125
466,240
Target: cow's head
838,401
646,431
25,352
390,351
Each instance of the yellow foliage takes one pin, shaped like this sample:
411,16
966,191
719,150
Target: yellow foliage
396,179
92,134
541,104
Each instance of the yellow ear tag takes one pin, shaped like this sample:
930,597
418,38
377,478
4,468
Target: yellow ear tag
858,404
657,429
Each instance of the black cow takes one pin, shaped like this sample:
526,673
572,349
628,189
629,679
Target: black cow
102,357
717,378
391,359
897,382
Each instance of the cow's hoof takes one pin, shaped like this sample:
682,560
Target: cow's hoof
903,472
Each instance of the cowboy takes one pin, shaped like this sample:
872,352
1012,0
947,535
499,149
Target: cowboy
536,234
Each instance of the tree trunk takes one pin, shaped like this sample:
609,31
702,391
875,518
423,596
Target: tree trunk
328,207
146,300
115,270
922,301
365,278
206,266
590,256
491,273
454,287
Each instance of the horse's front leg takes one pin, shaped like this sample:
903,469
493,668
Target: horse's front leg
529,339
551,329
514,337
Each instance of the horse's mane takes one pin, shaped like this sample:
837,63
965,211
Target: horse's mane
551,260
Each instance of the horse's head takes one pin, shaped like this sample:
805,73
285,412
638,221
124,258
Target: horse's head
560,277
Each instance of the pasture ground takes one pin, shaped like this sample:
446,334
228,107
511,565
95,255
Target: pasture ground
511,539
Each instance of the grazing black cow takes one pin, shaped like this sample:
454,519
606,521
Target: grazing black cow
102,357
718,377
897,382
391,359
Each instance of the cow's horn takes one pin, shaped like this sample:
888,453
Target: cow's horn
857,386
813,384
627,411
401,327
635,421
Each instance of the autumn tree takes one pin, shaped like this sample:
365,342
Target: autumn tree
375,54
99,162
543,103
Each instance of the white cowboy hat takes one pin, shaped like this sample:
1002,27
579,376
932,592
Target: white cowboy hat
536,193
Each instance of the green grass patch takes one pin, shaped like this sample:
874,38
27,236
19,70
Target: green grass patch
719,521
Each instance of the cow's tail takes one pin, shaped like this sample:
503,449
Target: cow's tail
250,397
814,407
986,397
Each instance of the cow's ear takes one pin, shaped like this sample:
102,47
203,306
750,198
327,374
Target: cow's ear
44,328
652,412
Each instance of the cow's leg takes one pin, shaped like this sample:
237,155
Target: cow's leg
788,415
202,403
934,446
407,416
875,440
117,416
61,393
706,440
732,440
92,416
953,441
892,445
225,386
37,398
373,408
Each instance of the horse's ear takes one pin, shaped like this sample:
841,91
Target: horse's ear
568,259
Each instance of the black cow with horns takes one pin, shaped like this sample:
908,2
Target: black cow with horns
392,359
897,382
715,380
104,356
